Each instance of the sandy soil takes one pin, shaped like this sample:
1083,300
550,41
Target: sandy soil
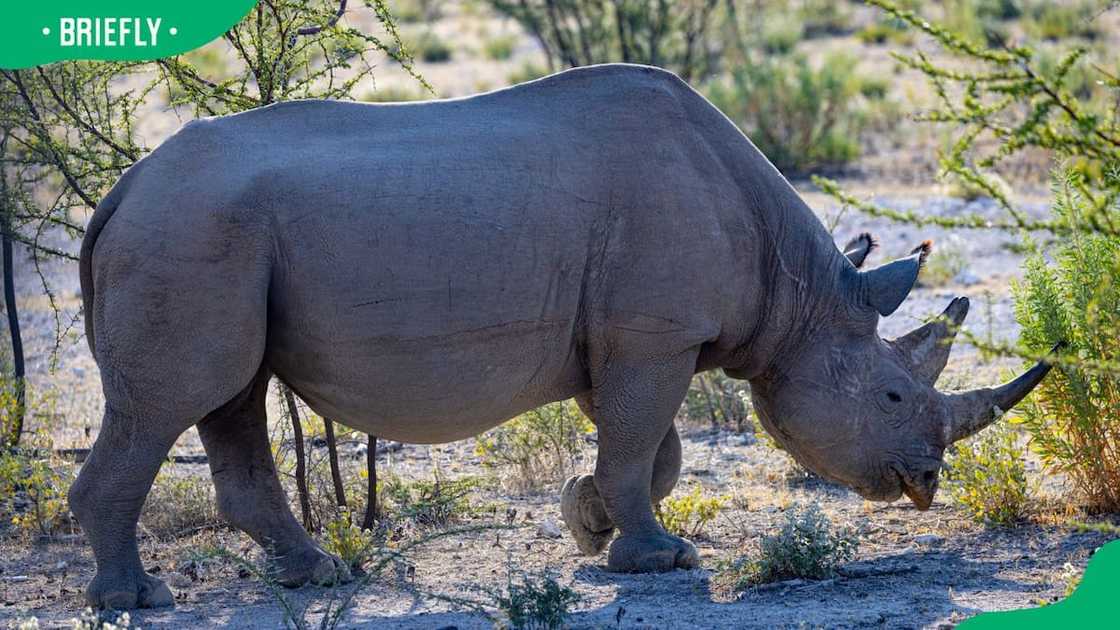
901,578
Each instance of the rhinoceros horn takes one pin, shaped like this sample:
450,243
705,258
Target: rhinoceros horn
927,348
973,410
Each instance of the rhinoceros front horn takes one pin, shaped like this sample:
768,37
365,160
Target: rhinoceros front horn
973,410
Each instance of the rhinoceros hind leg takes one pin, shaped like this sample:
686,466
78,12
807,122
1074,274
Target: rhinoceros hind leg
249,494
107,498
584,514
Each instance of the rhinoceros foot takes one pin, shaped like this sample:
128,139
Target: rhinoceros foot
127,591
309,565
584,514
651,553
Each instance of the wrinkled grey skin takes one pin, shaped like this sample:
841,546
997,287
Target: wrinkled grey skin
424,272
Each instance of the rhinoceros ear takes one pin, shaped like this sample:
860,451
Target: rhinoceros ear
859,247
885,287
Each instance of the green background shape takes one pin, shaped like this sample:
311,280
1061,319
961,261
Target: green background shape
1095,603
198,22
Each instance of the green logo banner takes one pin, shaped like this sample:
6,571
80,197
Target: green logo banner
119,30
1092,605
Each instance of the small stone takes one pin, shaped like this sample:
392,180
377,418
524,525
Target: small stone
549,529
928,539
966,277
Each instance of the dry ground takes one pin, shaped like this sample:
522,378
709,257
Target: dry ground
898,580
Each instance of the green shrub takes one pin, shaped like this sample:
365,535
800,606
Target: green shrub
527,72
407,11
179,504
678,36
807,546
431,503
800,117
881,32
430,47
33,491
824,17
781,33
349,542
998,9
687,515
499,48
944,263
1062,20
536,603
718,399
390,94
987,476
1074,415
537,448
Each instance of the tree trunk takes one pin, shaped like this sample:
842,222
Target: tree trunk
332,456
301,463
371,515
13,326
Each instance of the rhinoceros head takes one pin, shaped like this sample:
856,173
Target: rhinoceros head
862,410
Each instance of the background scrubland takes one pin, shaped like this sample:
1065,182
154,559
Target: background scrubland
991,129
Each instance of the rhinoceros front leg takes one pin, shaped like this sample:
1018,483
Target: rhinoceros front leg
249,494
634,406
583,510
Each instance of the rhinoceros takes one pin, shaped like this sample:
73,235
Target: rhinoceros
424,272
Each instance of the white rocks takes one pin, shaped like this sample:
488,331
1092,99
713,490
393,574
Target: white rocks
549,529
928,540
966,277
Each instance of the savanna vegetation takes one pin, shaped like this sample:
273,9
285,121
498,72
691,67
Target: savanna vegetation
992,126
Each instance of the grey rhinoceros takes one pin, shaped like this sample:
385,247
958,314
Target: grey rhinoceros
426,271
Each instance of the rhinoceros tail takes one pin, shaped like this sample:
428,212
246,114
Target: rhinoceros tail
97,222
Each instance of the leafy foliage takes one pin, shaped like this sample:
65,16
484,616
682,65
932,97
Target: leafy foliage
1074,416
807,546
716,398
673,35
687,515
987,476
33,491
1008,101
799,116
179,504
431,503
537,448
349,542
536,602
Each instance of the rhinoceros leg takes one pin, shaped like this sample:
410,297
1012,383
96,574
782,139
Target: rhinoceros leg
249,494
635,404
583,510
107,498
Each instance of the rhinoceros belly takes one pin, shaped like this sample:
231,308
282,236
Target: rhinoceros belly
422,325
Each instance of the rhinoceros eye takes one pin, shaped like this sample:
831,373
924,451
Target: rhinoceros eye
894,405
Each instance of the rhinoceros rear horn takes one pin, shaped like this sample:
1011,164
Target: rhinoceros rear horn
973,410
885,287
927,348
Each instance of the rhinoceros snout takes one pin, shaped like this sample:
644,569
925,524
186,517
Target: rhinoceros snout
922,487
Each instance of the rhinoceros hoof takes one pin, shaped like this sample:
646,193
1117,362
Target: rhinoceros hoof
309,565
584,514
651,553
124,592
